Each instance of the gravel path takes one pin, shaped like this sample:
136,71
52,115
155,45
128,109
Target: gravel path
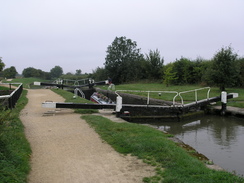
66,150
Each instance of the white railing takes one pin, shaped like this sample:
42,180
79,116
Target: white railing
80,91
74,82
148,93
14,96
195,94
13,92
174,92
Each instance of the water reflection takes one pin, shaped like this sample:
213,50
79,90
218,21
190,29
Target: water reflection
221,139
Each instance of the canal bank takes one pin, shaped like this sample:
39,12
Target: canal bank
235,111
109,115
219,138
155,148
222,132
178,168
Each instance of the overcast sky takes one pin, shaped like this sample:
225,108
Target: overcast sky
75,34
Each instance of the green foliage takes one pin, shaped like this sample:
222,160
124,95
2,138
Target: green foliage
169,75
2,65
78,72
123,60
225,68
10,72
14,148
184,71
240,82
125,64
37,73
99,74
154,64
76,76
3,88
56,72
172,163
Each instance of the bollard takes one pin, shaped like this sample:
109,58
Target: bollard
224,102
118,105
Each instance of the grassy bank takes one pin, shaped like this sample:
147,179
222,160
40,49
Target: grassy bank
3,88
172,163
188,97
14,148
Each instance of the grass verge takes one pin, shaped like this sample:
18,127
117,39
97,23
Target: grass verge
27,82
155,148
69,98
14,147
188,97
172,163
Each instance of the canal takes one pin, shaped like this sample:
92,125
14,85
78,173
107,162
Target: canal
221,139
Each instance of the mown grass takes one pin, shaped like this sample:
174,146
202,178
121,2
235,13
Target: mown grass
172,163
14,148
69,97
4,88
26,81
188,97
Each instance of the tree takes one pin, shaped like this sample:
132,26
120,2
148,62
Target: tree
183,70
99,74
154,64
207,70
78,72
10,72
45,75
56,72
241,75
199,67
225,68
169,75
122,61
30,72
2,65
38,73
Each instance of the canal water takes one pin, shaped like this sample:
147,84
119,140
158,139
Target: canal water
221,139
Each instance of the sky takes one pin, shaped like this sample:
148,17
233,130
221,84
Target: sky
75,34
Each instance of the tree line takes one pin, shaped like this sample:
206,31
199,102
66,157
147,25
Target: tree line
125,63
55,72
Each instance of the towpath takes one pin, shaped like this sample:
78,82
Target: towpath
66,149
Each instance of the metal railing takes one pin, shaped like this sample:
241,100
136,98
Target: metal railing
174,92
80,91
195,94
74,82
148,94
14,96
